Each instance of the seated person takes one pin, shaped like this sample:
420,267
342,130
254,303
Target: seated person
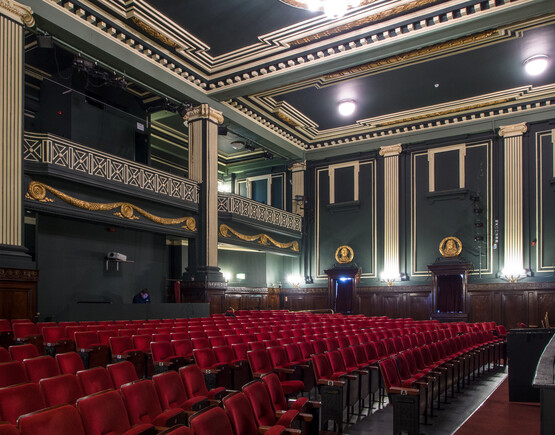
142,297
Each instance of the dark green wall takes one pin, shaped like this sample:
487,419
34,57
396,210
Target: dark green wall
71,259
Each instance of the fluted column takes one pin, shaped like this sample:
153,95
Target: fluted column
391,212
203,124
513,237
13,18
297,181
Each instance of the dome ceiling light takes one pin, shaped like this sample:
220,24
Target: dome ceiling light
535,65
332,8
346,107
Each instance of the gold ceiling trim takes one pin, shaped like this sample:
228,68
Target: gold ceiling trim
448,45
444,112
303,4
155,33
263,239
287,119
37,191
364,21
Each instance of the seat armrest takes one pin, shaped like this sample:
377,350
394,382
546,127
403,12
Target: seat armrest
306,417
404,391
284,370
331,383
209,371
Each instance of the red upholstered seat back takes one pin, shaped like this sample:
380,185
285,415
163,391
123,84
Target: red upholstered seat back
141,342
240,414
170,389
61,420
8,429
261,403
259,361
23,351
403,366
306,349
85,339
161,336
141,401
217,341
22,330
293,352
94,380
240,350
275,391
211,421
20,399
205,358
390,373
69,362
359,354
53,334
41,367
255,345
182,348
12,373
121,344
161,350
193,380
348,358
122,373
4,355
103,413
278,357
336,361
322,367
224,354
200,343
60,390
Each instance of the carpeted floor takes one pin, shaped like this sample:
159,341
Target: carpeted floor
498,416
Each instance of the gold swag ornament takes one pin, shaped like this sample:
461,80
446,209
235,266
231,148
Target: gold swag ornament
450,247
344,254
263,239
37,191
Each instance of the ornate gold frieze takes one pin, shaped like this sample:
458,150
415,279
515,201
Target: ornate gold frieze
37,192
155,33
425,51
8,274
364,21
204,111
263,239
287,119
16,11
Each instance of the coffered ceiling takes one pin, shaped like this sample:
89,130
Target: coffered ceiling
278,72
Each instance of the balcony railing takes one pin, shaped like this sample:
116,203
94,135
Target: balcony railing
235,204
73,157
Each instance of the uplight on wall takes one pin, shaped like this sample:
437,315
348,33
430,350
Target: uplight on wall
389,277
295,280
512,274
227,276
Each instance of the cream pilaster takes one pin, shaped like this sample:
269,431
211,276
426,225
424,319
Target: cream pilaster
203,124
297,180
390,154
513,258
13,17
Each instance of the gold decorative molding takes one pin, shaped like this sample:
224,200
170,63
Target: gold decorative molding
287,119
365,21
37,191
204,111
411,55
344,254
155,33
450,247
303,4
263,239
17,12
391,150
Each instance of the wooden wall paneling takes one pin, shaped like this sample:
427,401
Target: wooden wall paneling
216,299
254,302
418,306
392,305
17,300
233,301
546,304
515,309
480,306
319,302
533,319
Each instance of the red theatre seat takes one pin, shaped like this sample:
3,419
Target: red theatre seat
61,420
61,390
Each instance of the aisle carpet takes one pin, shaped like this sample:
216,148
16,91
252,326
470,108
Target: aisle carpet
498,416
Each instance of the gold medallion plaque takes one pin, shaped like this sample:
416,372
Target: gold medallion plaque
450,247
344,254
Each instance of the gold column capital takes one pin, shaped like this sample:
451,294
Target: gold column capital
391,150
204,111
17,12
513,130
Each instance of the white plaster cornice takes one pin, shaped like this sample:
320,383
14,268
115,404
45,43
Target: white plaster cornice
391,150
17,12
513,130
296,167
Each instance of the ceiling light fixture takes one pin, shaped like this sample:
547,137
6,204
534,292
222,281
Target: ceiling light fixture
346,107
535,65
332,8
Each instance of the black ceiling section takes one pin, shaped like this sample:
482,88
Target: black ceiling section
227,25
484,70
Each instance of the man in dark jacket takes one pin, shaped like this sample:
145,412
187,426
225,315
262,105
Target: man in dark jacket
142,298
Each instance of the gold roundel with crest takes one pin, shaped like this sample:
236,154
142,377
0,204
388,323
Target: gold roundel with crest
344,254
450,247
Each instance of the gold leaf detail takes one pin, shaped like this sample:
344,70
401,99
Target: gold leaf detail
263,239
155,33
